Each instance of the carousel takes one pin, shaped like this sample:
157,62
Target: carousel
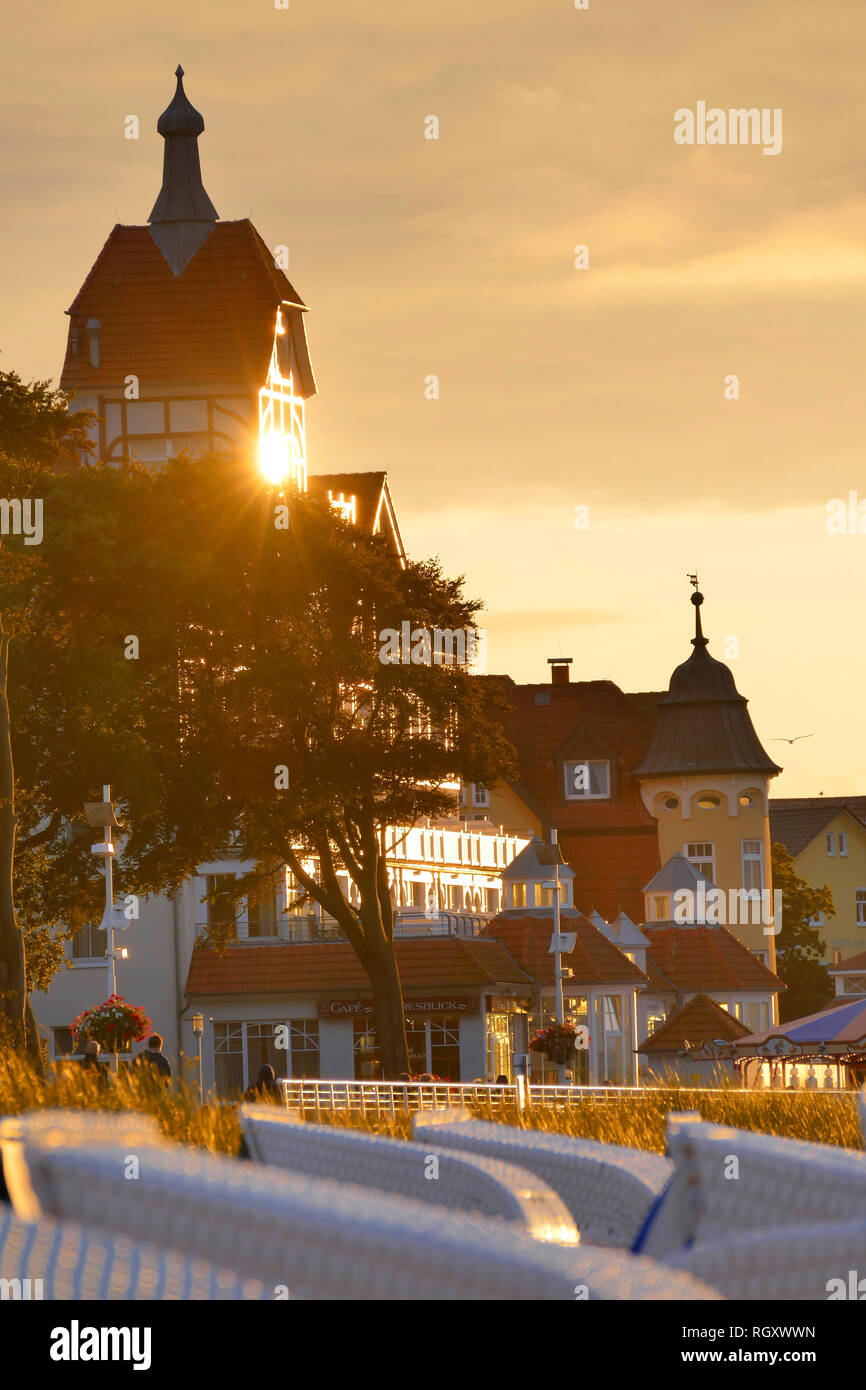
823,1051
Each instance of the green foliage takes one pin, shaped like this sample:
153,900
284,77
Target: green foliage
799,945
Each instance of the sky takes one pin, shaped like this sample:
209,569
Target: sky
566,395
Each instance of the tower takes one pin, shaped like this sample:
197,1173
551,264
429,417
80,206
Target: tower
186,333
705,780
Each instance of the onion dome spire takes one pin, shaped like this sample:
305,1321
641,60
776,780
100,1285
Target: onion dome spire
183,215
703,721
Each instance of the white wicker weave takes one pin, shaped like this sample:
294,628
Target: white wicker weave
609,1190
317,1239
797,1262
446,1178
729,1180
61,1260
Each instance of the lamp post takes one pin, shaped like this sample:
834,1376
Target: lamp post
100,814
198,1029
551,855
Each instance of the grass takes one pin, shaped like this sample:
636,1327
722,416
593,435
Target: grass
635,1121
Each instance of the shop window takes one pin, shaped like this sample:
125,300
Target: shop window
368,1065
241,1049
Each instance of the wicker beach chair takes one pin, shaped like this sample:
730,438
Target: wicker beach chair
728,1180
817,1262
443,1177
608,1190
311,1239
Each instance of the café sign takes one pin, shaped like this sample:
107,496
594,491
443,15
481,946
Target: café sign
428,1004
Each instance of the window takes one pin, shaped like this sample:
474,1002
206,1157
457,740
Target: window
843,845
262,917
753,864
654,1019
860,897
480,795
221,910
491,899
830,844
587,781
419,895
241,1049
90,943
455,897
518,895
367,1064
613,1038
755,1014
702,854
707,802
434,1046
660,907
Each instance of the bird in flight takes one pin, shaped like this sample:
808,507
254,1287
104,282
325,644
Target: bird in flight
792,740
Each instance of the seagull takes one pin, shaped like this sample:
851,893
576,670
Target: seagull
791,740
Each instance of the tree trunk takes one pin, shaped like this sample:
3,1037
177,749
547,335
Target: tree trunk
388,1012
14,1004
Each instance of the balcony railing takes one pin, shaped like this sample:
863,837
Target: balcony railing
408,922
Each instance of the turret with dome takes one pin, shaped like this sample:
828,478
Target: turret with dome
706,778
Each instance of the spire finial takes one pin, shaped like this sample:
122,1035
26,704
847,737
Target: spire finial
699,640
183,215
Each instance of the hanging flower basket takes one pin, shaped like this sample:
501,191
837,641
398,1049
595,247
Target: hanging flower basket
114,1025
555,1042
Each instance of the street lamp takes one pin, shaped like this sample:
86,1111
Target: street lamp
559,942
100,815
198,1029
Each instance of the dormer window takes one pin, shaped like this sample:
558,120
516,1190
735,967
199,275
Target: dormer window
587,781
518,895
660,907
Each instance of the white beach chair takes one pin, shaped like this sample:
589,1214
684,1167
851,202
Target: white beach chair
817,1262
728,1180
49,1259
310,1239
427,1174
609,1190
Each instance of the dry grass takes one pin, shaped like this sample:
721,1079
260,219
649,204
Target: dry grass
635,1121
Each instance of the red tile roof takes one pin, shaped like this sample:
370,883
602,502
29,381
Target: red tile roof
594,960
705,959
612,845
328,967
212,325
857,962
700,1020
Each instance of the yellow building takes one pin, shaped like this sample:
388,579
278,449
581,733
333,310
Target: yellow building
705,780
826,838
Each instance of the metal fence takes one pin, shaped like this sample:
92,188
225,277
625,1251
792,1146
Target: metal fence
405,1097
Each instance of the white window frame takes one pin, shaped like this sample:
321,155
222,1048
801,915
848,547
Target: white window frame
480,794
860,902
830,851
842,844
569,767
750,857
690,851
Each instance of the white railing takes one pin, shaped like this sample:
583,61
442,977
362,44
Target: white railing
405,1097
393,1097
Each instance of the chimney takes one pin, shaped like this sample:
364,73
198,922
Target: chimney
559,669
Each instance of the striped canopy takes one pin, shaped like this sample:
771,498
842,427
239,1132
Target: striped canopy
840,1029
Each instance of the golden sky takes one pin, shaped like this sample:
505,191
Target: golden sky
559,388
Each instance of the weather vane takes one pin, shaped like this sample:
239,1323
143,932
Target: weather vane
693,579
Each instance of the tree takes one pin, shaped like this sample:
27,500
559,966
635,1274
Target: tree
258,709
799,945
38,438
